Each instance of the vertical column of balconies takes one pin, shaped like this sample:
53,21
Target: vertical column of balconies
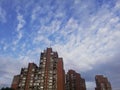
29,84
22,79
51,70
41,71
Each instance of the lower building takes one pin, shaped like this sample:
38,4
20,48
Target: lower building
102,83
26,78
74,81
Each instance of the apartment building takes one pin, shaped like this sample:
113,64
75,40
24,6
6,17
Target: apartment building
102,83
74,81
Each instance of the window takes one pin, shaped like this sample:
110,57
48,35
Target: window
50,80
50,77
30,84
50,83
50,87
33,69
24,78
32,75
31,80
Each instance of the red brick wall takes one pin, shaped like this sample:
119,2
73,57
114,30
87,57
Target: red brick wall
60,75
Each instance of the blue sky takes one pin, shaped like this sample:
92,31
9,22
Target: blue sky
86,33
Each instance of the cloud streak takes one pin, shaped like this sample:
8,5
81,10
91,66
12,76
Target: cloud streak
2,15
20,26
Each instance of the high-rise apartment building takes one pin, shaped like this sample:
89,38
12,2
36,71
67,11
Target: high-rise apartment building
50,74
51,71
102,83
74,81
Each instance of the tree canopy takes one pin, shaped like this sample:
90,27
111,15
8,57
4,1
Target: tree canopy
7,88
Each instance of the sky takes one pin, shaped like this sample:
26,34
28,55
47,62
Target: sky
85,33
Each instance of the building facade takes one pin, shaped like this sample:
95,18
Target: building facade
51,71
27,77
102,83
50,74
74,81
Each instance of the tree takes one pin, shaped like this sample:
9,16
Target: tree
7,88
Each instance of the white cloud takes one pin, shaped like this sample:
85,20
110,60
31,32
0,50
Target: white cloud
45,32
117,6
2,15
21,22
9,67
90,85
5,47
35,13
20,26
95,43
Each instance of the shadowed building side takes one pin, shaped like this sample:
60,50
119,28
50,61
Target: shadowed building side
60,75
15,82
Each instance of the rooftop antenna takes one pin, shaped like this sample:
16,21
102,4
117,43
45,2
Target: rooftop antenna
50,45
